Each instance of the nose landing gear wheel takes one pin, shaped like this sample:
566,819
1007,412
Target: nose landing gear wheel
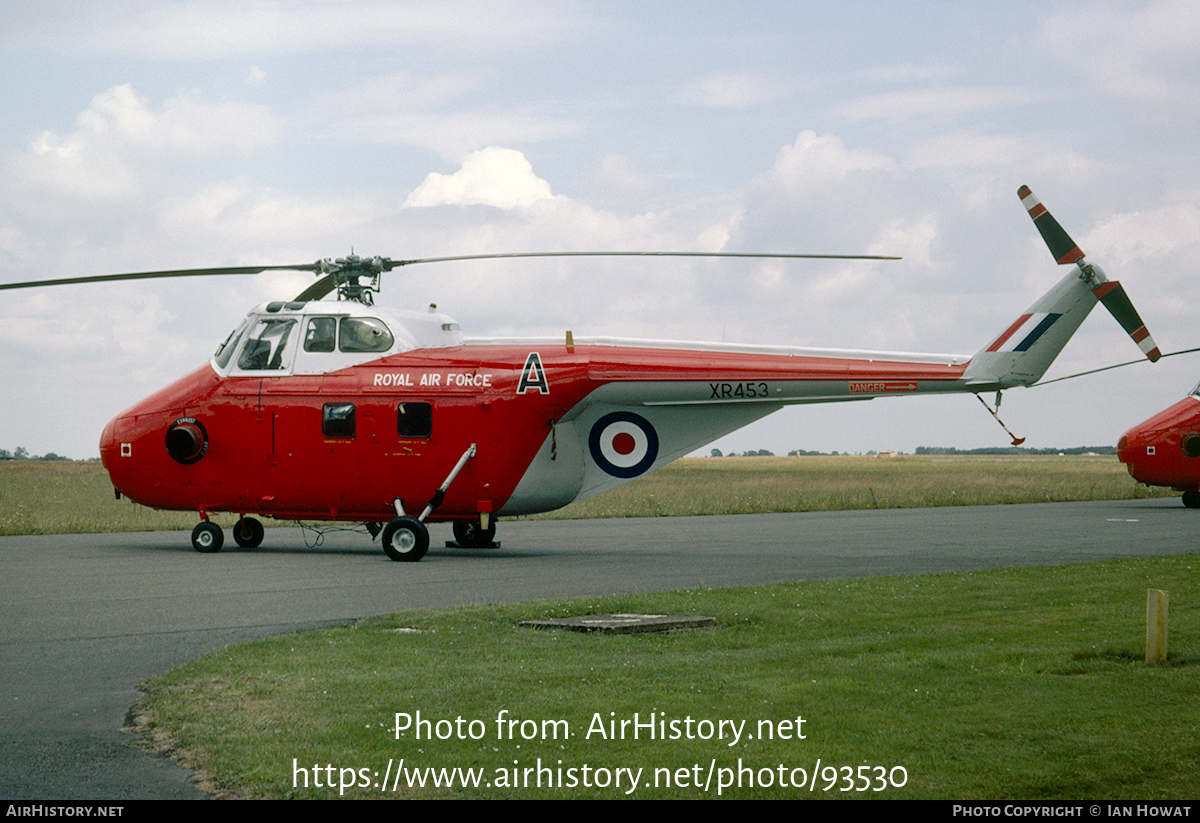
406,539
207,537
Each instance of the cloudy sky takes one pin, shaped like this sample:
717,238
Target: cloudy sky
149,135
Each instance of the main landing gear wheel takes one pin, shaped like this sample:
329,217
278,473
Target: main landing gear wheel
405,538
248,533
470,535
207,537
1191,499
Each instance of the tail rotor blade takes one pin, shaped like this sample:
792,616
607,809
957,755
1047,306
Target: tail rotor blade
1061,245
1112,295
1108,292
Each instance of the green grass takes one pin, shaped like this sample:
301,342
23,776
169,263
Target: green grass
62,497
754,485
65,497
1013,683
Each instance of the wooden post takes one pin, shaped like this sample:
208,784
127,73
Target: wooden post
1156,626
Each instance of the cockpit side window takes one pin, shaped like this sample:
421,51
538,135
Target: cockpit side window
364,334
267,344
320,334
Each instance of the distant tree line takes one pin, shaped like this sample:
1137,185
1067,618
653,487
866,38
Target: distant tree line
932,450
22,454
1016,450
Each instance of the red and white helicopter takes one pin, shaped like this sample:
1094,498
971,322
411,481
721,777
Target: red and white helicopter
1163,450
341,410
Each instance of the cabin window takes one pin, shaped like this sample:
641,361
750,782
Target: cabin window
320,334
414,420
337,420
359,334
267,344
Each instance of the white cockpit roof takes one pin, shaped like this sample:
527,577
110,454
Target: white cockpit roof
318,337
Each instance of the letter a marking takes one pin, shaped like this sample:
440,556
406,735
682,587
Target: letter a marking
533,376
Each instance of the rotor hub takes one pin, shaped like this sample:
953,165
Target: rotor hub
355,278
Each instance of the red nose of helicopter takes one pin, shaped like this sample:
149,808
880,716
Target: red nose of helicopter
157,442
1131,444
1163,450
115,451
108,440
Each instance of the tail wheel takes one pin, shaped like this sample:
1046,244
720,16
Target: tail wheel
207,537
248,533
470,535
405,538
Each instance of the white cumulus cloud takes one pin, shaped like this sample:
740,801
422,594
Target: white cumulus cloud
115,134
492,177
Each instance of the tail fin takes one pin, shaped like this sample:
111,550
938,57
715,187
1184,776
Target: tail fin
1023,353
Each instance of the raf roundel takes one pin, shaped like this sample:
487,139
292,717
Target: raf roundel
623,444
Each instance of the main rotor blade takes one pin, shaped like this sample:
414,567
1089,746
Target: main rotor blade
1109,368
152,275
317,290
326,284
397,263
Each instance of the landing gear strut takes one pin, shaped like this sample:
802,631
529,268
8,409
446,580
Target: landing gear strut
406,538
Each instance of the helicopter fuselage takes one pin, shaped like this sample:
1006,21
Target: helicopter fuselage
334,411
